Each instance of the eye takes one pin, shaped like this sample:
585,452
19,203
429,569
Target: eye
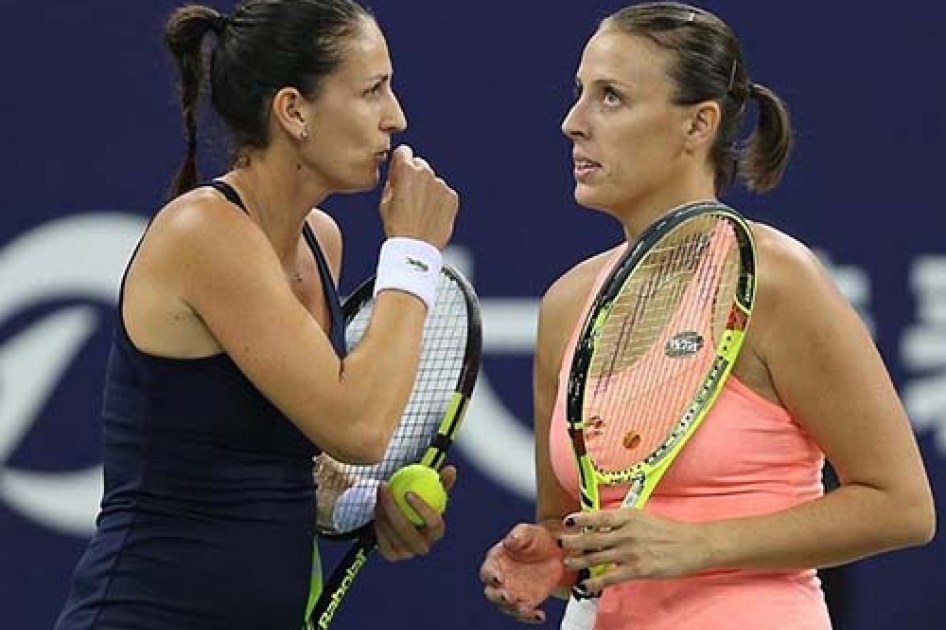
611,97
375,88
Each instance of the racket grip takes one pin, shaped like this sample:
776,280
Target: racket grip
580,614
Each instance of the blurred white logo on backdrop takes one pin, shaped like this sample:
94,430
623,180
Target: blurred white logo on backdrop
76,256
923,348
500,445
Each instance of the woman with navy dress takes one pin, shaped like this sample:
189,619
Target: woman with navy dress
228,371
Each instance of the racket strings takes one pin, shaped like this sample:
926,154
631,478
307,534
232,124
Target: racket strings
649,294
347,493
652,354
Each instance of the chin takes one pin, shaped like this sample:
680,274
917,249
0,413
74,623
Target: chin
588,199
361,184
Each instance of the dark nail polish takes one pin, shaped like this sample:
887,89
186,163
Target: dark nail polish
569,522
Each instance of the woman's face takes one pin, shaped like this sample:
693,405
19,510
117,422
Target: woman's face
628,137
354,115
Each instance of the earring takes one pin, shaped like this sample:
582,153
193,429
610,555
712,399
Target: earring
304,135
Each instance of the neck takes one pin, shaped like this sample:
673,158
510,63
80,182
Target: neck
644,211
278,197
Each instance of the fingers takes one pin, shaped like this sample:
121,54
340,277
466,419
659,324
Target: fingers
433,521
595,558
587,542
507,605
610,577
398,538
401,157
489,571
448,477
403,161
416,202
600,519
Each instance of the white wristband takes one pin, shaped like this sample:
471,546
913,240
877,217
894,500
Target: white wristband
411,265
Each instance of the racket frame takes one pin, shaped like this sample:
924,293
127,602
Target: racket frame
643,477
365,540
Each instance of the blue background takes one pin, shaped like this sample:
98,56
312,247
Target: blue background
91,138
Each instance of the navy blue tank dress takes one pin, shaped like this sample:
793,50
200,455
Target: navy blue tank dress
208,515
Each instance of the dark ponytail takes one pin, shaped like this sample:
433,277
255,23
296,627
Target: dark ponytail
184,36
763,160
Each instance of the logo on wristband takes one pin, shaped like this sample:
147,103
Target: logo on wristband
419,265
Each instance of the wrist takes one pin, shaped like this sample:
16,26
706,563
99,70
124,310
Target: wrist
409,265
709,545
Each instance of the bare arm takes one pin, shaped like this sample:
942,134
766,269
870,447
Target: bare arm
552,502
223,270
829,375
233,281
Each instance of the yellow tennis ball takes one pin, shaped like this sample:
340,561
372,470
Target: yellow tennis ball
422,481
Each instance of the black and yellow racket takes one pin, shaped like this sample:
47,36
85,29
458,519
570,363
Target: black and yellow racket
655,350
449,364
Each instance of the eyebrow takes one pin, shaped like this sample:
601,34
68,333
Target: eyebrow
606,81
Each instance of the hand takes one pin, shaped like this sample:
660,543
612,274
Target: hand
522,571
632,544
415,202
398,538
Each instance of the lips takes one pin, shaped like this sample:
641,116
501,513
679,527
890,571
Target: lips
582,162
584,167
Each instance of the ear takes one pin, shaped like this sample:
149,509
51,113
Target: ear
289,111
704,121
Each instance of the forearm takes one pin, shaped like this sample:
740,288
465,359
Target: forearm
375,380
849,523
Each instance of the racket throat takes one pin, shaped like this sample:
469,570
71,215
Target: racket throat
635,490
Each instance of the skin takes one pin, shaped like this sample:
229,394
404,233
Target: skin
637,156
209,279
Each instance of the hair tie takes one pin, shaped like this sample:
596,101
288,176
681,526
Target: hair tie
742,91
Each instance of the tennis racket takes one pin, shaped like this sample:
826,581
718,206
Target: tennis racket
658,343
449,364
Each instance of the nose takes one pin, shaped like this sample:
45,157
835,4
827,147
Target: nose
394,120
573,125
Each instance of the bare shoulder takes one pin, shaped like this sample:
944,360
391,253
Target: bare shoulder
201,217
330,238
202,235
196,241
573,286
795,293
565,299
787,268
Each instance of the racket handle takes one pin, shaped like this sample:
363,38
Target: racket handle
580,614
